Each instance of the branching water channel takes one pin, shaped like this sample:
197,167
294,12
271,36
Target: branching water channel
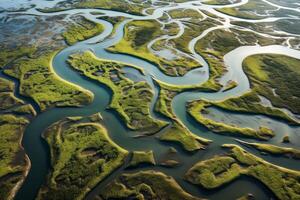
38,151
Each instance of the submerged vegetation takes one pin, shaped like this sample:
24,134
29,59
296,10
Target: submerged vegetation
82,154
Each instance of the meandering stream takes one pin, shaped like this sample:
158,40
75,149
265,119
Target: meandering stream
37,149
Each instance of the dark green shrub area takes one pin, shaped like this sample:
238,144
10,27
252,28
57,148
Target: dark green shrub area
82,154
219,170
145,185
131,100
277,77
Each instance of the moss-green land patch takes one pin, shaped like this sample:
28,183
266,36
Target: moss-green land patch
14,117
115,21
198,107
131,100
277,78
10,104
8,100
120,5
81,30
230,85
38,81
176,132
138,34
8,55
14,163
213,173
221,2
6,85
216,44
251,103
250,10
288,25
145,185
192,30
142,157
185,13
82,154
273,149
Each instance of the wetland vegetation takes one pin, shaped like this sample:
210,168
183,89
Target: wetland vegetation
135,42
82,154
130,99
217,171
145,185
117,99
275,77
38,81
15,116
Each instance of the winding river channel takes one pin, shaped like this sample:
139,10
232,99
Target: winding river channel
37,149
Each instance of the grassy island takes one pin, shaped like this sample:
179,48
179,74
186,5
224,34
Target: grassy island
145,185
30,58
273,149
14,163
15,116
81,29
216,44
251,103
275,77
137,36
250,10
217,171
130,99
9,103
197,108
192,30
176,132
82,154
142,157
38,81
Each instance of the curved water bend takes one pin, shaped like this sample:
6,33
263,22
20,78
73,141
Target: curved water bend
233,61
36,147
